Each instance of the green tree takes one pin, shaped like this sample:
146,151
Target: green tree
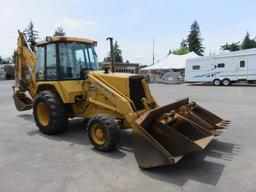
141,66
9,60
180,51
117,54
247,42
194,40
14,56
4,60
59,32
184,44
1,60
231,47
31,34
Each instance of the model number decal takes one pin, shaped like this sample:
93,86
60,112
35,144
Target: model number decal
106,90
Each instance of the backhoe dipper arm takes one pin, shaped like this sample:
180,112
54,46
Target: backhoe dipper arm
24,74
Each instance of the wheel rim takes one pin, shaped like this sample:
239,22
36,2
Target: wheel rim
216,82
225,82
98,134
43,114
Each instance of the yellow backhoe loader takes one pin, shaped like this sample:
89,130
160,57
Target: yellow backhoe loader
62,81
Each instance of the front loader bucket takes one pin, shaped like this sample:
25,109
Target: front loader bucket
164,135
21,101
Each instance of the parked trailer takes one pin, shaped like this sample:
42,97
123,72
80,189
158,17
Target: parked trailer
223,69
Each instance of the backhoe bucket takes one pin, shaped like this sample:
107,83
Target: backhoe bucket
21,101
164,135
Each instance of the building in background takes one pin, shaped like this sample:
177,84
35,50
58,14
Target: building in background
124,67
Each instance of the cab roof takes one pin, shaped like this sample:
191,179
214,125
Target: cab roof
66,39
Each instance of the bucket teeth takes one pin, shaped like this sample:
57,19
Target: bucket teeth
223,124
164,135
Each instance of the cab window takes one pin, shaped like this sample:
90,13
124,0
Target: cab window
92,57
51,69
76,59
40,75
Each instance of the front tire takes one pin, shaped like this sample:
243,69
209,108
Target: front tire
103,132
49,113
216,82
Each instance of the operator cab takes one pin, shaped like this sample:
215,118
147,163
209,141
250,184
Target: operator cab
65,58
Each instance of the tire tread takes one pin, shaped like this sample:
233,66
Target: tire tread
58,118
113,128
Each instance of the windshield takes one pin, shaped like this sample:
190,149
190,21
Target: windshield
75,59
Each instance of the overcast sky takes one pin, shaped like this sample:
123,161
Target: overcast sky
133,23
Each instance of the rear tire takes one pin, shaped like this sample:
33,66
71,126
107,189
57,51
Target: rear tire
216,82
50,113
226,82
103,132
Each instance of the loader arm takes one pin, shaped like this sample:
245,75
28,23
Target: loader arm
24,75
123,104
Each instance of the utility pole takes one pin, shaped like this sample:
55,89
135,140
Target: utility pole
111,53
153,51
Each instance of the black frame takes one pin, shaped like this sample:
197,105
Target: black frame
221,65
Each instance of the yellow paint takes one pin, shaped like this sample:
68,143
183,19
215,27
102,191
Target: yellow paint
67,39
67,90
98,134
25,67
43,114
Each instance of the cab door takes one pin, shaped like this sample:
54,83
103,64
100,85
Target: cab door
46,63
51,63
40,64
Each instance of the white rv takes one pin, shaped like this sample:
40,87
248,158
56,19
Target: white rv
223,69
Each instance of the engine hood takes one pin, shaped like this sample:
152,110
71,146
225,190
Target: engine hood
120,81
